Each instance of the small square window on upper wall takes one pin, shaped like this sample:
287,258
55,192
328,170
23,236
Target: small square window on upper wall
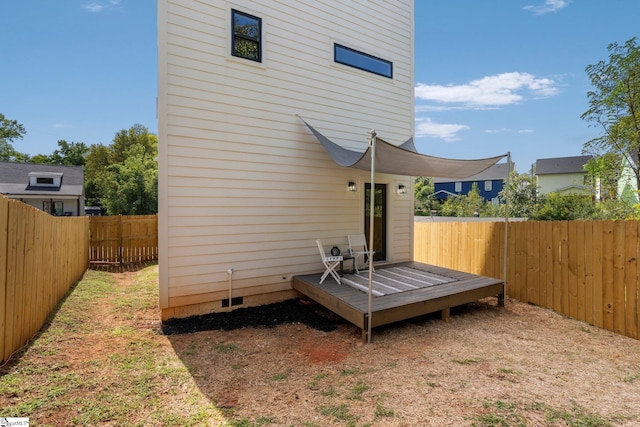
458,187
488,185
362,61
246,36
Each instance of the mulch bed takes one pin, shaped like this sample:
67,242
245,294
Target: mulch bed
266,316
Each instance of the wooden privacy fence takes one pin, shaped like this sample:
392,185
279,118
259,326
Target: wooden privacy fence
587,270
41,257
123,239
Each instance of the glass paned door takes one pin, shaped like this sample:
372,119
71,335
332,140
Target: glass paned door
379,220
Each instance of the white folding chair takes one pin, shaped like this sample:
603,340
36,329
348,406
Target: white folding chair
358,249
330,263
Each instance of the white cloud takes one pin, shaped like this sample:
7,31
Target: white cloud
508,130
448,132
98,6
549,6
491,91
501,130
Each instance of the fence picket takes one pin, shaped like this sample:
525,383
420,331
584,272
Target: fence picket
579,263
607,274
618,283
631,279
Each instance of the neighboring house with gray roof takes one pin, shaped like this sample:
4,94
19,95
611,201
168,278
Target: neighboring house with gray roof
55,189
564,175
490,183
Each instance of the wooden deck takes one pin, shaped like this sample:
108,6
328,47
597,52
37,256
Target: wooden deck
401,291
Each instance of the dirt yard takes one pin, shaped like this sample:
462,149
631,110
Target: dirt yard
488,366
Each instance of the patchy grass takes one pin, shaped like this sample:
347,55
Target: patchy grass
506,414
99,360
102,360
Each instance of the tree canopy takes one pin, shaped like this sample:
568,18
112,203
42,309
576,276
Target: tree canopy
614,104
10,130
122,178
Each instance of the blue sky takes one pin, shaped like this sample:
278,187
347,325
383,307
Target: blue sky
491,75
494,76
78,70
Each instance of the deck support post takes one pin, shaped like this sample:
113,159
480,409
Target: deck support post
366,330
445,314
501,300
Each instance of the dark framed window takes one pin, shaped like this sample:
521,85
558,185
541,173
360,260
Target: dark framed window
40,180
246,37
362,61
53,208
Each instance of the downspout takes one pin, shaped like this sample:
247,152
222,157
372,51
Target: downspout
230,273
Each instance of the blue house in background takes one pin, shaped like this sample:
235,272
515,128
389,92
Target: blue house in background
490,184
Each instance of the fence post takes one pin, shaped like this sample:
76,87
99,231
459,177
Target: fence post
4,227
120,249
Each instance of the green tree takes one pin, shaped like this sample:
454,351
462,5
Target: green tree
123,177
96,164
616,210
558,207
524,199
130,187
465,205
604,171
614,103
423,193
10,130
125,139
70,154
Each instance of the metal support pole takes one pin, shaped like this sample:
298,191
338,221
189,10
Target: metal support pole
372,192
506,235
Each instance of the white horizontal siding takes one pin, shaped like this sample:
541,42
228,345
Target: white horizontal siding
243,184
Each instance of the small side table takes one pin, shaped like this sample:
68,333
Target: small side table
347,257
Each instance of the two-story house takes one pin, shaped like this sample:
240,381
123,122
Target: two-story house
562,175
489,182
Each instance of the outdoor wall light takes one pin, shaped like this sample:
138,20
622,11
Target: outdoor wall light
351,186
402,189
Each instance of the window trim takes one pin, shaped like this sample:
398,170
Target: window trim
457,186
258,40
338,46
488,185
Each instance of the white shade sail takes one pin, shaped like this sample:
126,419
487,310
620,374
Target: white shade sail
403,159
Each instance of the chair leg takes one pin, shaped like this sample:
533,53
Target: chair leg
335,276
330,269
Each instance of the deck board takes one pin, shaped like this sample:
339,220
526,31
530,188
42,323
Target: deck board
353,304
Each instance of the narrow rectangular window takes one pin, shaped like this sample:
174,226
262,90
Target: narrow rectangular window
488,185
40,180
458,187
362,61
246,37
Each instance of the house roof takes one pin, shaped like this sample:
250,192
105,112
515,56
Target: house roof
14,179
495,172
560,165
